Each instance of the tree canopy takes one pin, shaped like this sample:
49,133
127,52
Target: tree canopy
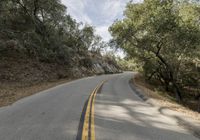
42,29
164,36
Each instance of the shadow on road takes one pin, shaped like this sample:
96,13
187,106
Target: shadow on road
120,115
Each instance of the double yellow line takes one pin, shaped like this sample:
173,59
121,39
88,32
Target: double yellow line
88,131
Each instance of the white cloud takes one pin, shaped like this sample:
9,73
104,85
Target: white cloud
98,13
76,8
113,8
103,32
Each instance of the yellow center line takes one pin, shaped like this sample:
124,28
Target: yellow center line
86,124
92,120
92,117
86,119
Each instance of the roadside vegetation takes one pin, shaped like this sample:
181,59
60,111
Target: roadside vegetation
42,29
163,38
41,43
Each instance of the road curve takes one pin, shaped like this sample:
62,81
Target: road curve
119,114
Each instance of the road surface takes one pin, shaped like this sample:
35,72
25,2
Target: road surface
75,109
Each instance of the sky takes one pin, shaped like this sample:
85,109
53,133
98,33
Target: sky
98,13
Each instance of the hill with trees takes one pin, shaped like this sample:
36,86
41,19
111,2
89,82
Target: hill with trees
42,32
41,42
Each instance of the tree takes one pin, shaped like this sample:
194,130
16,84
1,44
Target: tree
42,29
160,34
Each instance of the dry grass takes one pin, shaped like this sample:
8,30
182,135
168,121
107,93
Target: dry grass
162,98
10,93
21,77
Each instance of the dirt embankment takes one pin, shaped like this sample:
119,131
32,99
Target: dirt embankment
163,98
21,76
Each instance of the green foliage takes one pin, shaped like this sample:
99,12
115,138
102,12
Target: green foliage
165,36
43,30
130,65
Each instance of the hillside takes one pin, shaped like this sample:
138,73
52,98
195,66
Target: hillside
40,43
22,76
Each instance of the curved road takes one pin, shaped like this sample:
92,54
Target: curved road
119,114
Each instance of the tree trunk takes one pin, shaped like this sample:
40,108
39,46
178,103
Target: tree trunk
171,75
198,109
167,87
152,74
178,93
198,104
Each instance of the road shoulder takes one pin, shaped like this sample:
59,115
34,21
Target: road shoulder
190,121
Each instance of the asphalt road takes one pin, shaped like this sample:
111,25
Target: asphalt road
119,114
